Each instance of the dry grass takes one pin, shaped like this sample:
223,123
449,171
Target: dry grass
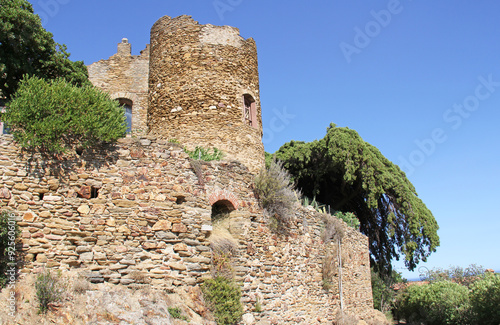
224,246
277,196
334,228
342,318
329,269
81,285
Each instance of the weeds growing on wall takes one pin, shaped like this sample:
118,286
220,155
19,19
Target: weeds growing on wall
224,247
176,313
48,290
223,297
277,195
200,153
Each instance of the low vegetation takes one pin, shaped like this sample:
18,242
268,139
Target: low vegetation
176,313
449,299
200,153
223,298
48,290
277,195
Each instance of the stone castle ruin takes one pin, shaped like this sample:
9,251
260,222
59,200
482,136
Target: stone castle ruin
196,84
139,214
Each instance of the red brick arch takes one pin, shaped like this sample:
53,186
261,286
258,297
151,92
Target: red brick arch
224,195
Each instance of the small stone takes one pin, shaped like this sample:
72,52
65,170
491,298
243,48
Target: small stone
162,225
84,209
127,262
124,203
87,257
179,227
41,258
84,192
180,247
52,198
149,245
99,256
248,319
177,266
5,193
20,187
83,249
162,235
124,229
53,184
29,216
53,237
121,249
145,142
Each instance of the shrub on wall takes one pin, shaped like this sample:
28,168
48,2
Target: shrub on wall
54,115
277,195
223,297
200,153
48,290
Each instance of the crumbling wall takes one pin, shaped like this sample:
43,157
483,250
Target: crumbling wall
125,76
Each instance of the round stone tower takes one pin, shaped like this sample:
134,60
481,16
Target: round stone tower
204,89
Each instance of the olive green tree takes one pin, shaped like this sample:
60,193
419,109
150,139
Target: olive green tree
351,175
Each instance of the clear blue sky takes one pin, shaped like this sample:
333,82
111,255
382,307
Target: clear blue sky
420,80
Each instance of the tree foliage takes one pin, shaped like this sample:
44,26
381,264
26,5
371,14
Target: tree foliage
485,299
383,291
54,115
437,303
27,48
351,175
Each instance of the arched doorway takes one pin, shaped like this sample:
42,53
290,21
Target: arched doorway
221,209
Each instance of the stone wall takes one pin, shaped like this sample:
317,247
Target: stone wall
136,207
285,273
140,213
198,77
125,76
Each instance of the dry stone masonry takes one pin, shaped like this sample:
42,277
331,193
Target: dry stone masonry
125,77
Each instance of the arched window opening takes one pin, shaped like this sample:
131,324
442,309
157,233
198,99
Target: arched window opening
249,111
221,209
127,110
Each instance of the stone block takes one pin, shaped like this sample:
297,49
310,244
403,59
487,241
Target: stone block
162,225
179,227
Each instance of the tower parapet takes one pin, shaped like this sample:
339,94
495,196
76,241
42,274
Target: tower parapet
204,88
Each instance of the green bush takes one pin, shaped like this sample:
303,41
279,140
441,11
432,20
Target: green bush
349,218
48,290
54,115
277,195
9,232
485,299
176,313
384,294
435,303
223,297
200,153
